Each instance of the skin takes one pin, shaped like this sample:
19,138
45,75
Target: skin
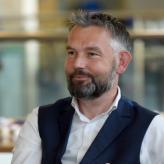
88,48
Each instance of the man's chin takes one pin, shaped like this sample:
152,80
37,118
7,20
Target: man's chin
81,82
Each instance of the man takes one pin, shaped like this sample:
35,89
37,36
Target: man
97,125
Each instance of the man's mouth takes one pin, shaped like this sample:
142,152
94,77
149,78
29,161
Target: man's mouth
80,77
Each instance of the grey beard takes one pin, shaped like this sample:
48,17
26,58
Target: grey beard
93,89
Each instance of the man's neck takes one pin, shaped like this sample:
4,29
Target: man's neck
94,107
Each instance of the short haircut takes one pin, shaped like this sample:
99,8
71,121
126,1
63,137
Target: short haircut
120,36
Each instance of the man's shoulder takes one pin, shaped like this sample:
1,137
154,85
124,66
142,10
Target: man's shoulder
136,107
50,116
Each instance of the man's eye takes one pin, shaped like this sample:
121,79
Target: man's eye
92,54
70,53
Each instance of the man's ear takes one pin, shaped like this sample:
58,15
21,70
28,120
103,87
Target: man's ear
123,60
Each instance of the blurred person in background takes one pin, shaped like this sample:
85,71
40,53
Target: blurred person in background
96,125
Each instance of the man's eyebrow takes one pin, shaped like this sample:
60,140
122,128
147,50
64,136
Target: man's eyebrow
94,48
90,48
68,47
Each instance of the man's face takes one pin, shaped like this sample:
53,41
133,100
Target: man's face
91,64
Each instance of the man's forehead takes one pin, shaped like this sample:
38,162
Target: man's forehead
89,34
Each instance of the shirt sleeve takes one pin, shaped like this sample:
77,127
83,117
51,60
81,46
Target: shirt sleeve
152,148
28,145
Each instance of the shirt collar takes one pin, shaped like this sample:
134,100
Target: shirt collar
82,117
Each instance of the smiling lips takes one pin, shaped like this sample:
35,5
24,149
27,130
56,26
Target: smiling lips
80,77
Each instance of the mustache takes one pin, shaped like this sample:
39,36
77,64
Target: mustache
80,72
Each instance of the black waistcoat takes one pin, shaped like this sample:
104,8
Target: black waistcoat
118,142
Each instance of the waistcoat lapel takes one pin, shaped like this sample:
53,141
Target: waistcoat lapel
117,121
65,122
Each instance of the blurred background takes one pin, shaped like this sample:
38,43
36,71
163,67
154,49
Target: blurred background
32,53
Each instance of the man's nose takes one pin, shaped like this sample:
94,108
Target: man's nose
80,61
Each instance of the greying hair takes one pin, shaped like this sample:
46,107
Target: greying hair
120,36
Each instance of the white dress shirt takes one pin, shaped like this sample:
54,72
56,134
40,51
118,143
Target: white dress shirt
83,132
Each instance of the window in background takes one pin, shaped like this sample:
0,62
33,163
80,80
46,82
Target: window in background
30,77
